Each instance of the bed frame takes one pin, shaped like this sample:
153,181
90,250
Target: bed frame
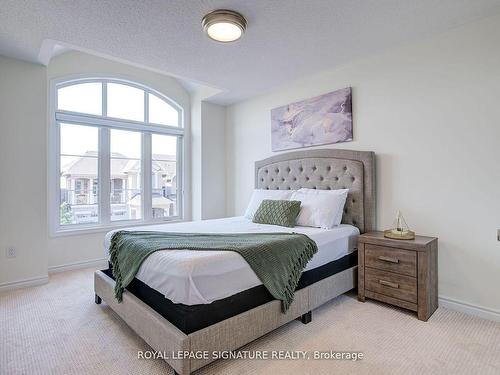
317,169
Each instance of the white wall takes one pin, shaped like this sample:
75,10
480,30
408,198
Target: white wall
213,161
196,157
23,181
208,159
431,112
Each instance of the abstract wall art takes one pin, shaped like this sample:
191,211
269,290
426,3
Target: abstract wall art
320,120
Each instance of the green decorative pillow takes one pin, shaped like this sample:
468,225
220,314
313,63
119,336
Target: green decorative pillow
277,212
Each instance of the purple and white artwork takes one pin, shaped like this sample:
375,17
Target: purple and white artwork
317,121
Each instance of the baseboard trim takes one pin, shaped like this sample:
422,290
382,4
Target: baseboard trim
446,302
25,283
98,263
467,308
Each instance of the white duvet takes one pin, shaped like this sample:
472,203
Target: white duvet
201,277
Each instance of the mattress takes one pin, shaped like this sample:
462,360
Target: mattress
202,277
191,318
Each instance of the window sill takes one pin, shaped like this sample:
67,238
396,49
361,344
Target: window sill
109,227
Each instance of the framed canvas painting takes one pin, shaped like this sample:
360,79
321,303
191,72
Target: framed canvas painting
320,120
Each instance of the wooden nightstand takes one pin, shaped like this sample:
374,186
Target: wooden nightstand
400,272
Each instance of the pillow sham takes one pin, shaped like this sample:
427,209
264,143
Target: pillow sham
320,208
277,212
259,195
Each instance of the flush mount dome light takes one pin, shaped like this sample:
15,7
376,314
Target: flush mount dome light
224,25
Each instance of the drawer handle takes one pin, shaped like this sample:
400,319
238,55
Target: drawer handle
388,283
388,259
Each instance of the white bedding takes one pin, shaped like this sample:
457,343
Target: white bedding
201,277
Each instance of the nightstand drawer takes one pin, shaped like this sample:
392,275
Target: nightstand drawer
391,259
391,284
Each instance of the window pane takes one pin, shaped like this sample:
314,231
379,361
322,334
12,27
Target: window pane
82,97
164,175
79,140
125,102
126,199
160,112
126,144
79,190
78,175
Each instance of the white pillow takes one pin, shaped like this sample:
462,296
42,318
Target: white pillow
320,208
259,195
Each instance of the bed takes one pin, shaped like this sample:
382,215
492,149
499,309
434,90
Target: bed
215,302
193,290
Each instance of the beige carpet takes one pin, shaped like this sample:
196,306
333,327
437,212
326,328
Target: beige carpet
57,329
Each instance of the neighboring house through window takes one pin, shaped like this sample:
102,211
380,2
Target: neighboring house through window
115,155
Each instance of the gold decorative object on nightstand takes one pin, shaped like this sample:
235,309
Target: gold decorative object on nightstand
401,231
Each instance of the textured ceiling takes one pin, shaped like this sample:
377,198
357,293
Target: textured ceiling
285,39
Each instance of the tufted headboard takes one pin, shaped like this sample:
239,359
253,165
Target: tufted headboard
326,169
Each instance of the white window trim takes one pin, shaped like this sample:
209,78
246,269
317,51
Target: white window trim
105,124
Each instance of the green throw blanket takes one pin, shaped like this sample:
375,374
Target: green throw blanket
277,259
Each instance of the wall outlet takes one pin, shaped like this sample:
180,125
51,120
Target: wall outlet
10,252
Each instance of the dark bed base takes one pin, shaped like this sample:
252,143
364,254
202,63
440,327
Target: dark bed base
306,318
191,318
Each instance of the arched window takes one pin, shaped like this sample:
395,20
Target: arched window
116,154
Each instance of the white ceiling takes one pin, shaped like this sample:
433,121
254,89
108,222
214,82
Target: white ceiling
285,39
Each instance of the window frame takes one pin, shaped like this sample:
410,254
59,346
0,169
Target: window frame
104,125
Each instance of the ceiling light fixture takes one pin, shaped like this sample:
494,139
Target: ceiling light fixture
224,25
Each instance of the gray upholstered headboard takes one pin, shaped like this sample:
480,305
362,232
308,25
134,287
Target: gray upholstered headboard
326,169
